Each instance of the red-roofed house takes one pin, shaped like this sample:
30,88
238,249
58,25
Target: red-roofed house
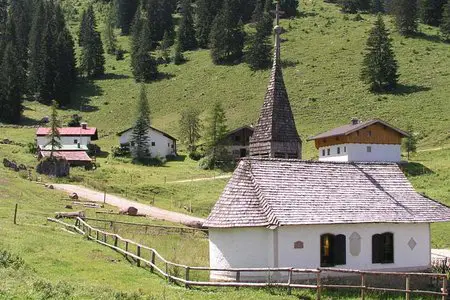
69,135
74,143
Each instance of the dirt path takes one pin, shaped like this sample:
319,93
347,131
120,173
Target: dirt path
202,179
151,211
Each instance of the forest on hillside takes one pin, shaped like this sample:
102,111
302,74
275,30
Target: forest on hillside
42,57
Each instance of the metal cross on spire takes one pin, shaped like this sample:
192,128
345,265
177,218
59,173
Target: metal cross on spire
277,31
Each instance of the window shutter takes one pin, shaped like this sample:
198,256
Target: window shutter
340,251
388,247
376,245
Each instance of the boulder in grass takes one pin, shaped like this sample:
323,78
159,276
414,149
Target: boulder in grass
73,196
132,211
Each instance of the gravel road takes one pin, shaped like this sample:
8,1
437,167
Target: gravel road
122,203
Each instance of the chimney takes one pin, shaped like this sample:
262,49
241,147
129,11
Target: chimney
84,125
355,121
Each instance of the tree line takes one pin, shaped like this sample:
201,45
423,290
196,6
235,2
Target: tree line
37,56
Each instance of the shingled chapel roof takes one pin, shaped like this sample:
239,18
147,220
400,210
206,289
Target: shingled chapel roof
266,192
275,130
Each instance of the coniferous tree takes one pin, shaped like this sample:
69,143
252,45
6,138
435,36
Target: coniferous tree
258,55
379,64
143,64
53,134
216,130
205,13
227,36
20,16
92,53
36,67
3,20
289,7
445,23
66,74
431,11
258,11
126,10
165,45
405,13
109,36
377,6
11,88
349,6
186,31
178,57
141,128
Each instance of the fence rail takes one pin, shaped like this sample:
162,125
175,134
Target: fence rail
115,241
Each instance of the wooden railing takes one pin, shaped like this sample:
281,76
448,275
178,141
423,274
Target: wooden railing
161,266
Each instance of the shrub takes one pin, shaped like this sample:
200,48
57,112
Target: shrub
195,155
120,152
93,149
9,260
32,147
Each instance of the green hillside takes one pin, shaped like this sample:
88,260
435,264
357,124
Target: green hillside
322,53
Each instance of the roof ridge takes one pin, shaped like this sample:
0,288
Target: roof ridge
381,163
264,204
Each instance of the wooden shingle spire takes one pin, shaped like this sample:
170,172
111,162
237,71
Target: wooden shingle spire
275,135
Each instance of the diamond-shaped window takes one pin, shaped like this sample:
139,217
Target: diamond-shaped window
412,243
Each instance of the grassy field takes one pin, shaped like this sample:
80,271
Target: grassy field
55,264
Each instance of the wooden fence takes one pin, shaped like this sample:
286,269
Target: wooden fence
167,229
161,266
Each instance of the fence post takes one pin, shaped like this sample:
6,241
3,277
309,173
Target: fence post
444,287
116,241
138,253
153,261
318,286
96,235
238,278
126,249
408,292
104,237
167,271
186,285
15,214
289,281
363,286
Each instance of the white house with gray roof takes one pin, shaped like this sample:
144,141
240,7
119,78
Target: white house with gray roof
280,211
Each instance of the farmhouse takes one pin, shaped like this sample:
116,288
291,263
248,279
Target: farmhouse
373,140
70,136
238,141
161,144
74,143
280,211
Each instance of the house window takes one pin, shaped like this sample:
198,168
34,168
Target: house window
75,141
323,152
332,250
168,144
153,143
369,133
171,146
369,148
357,133
338,150
328,151
383,248
345,149
237,138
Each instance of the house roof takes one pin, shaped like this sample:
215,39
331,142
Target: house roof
349,128
70,131
151,127
66,148
276,124
239,129
265,192
70,156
